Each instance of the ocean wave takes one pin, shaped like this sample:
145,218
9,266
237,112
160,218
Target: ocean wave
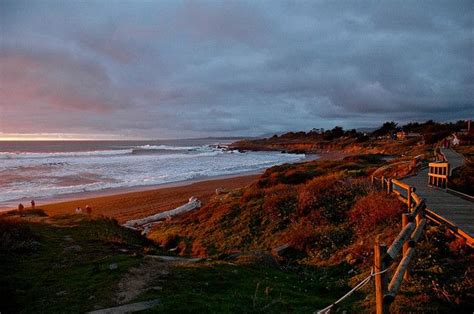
159,155
12,155
44,175
144,149
189,156
167,147
171,150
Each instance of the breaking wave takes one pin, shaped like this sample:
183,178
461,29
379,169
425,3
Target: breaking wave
28,175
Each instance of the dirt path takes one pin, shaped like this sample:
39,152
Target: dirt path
139,279
128,308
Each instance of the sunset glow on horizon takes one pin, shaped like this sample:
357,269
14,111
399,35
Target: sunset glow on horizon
267,144
183,69
62,137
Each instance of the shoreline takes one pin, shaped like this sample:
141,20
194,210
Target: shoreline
129,205
68,197
64,198
126,203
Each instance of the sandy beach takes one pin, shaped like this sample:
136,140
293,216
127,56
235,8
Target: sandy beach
130,205
135,202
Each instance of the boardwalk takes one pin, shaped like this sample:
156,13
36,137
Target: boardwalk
455,159
456,210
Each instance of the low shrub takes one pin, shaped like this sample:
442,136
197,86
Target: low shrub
296,176
168,241
374,209
16,237
198,249
368,158
463,179
330,239
217,214
35,212
280,201
292,174
457,246
317,241
301,236
331,195
432,138
312,196
251,194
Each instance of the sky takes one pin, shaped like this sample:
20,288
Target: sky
180,69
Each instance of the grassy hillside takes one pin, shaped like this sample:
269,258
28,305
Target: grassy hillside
66,263
294,240
323,215
76,264
313,206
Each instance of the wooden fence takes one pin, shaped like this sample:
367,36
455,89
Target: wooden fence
413,223
438,173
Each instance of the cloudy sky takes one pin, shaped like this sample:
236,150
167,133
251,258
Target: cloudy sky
174,69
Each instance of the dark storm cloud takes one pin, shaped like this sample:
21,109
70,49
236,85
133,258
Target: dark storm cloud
199,68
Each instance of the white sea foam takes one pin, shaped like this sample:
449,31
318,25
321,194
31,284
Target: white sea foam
168,147
35,175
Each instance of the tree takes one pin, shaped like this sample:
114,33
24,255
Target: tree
336,132
386,128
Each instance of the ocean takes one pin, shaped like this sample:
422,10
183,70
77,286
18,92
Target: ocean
43,170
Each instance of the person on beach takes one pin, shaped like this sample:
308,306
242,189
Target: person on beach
20,208
33,204
78,210
88,210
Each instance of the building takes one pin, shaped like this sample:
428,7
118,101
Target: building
403,135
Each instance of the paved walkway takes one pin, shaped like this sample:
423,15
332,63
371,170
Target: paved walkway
455,159
456,210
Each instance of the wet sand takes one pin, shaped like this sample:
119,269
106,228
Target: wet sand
132,205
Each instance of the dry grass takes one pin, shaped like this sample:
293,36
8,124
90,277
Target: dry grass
372,210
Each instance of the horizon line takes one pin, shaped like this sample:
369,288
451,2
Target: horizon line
58,139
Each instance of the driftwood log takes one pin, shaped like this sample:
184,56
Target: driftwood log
193,203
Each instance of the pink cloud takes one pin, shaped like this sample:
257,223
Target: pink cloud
54,80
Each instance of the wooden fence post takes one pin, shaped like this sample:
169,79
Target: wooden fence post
419,216
390,186
430,178
405,221
447,176
380,279
409,198
383,183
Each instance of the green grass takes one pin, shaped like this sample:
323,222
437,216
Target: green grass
248,288
63,266
43,272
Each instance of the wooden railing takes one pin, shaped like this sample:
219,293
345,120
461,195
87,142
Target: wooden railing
413,223
438,174
412,165
402,190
